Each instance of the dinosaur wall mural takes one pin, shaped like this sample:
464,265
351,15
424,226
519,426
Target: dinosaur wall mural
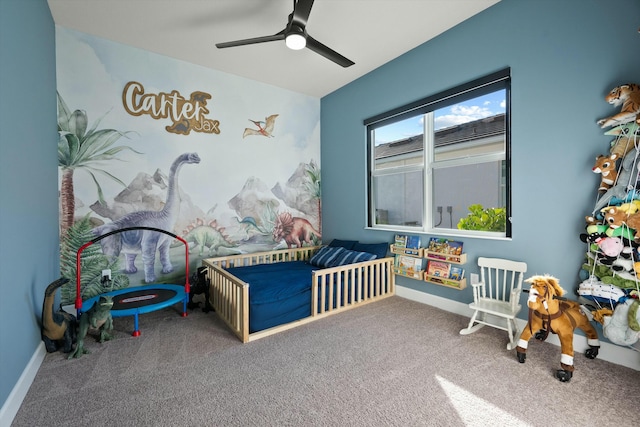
263,128
294,231
236,195
146,242
206,237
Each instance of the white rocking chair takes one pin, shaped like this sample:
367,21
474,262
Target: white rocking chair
496,299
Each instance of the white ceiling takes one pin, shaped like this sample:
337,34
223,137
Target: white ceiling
369,32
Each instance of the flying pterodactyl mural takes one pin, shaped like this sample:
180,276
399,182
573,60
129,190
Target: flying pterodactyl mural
264,128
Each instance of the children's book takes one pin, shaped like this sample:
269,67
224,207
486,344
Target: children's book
444,246
408,263
456,273
455,247
438,268
413,242
434,244
400,241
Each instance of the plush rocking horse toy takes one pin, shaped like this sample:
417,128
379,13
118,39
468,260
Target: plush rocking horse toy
549,312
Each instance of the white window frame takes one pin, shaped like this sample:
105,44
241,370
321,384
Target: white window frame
491,83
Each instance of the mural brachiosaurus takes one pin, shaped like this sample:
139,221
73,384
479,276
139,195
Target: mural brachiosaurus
143,241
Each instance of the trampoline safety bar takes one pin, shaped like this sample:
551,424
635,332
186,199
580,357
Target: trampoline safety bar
181,294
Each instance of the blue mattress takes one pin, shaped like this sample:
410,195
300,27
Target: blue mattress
279,293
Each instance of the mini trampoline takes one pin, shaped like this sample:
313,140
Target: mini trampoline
137,300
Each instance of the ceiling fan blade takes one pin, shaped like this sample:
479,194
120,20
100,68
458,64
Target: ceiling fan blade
301,11
275,37
296,25
327,52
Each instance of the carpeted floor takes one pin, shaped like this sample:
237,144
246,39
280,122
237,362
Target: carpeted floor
391,363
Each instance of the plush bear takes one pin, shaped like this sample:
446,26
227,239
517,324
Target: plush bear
549,312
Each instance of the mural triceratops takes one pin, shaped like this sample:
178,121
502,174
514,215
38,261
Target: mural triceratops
294,231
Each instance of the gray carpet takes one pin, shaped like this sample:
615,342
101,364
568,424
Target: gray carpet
391,363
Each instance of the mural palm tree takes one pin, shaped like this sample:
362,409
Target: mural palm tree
92,262
79,148
313,186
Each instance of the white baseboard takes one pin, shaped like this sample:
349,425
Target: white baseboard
610,352
19,391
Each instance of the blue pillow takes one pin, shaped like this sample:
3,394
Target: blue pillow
347,244
325,256
351,257
378,249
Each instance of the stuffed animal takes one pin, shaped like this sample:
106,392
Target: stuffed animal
629,96
636,268
595,290
600,314
615,218
594,228
606,167
634,314
607,248
616,327
549,312
624,268
627,138
630,207
610,246
627,180
591,220
625,233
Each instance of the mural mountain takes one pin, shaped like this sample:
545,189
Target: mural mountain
245,225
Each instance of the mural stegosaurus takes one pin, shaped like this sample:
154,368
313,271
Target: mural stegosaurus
206,237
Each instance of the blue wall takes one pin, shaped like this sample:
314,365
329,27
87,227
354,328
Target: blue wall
564,57
29,258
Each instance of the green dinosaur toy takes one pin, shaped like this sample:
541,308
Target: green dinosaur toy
97,317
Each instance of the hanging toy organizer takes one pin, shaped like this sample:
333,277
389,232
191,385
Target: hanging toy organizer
610,287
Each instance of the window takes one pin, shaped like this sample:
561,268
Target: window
441,164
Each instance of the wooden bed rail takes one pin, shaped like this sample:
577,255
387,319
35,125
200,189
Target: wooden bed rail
269,257
333,289
229,295
348,286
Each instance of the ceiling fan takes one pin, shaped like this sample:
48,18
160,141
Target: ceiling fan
295,35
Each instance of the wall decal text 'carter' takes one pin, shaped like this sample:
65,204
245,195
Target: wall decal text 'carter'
186,115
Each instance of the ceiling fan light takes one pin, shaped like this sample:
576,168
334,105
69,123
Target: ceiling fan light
295,41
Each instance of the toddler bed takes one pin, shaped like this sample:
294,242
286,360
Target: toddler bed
263,293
